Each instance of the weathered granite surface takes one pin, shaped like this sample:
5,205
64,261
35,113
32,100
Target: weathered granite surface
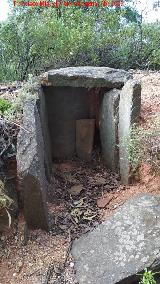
129,112
31,167
45,132
86,76
108,124
122,246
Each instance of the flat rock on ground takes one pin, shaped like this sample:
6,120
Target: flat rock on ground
122,246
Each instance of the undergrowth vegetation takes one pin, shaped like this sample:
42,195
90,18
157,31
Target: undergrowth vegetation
12,112
4,106
148,277
5,202
144,145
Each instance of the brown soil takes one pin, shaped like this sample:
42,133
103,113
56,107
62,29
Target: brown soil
41,257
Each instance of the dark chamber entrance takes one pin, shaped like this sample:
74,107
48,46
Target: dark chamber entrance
73,120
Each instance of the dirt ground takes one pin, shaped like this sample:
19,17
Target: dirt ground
79,198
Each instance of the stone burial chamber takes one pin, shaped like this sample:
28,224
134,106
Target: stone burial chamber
74,111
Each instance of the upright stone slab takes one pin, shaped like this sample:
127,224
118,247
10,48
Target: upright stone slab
108,123
129,111
45,132
122,246
84,138
30,164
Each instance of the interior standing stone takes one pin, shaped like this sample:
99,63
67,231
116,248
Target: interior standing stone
84,138
122,246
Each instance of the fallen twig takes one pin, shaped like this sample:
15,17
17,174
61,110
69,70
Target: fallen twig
49,273
61,269
12,122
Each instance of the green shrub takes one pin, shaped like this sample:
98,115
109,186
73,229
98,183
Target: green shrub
4,105
148,277
76,36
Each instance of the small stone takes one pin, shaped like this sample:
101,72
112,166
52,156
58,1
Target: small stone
71,264
75,190
69,178
3,238
100,181
20,263
14,274
104,201
16,238
64,167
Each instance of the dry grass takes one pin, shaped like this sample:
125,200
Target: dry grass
5,201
